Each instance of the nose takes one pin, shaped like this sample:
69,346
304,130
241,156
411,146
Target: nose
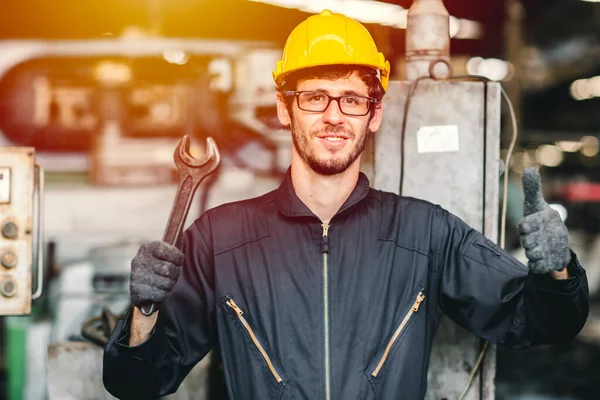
332,114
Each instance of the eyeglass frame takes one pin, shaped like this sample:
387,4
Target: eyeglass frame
297,93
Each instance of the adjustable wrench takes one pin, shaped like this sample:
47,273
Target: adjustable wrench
191,172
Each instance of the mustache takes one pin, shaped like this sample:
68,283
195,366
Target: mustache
333,130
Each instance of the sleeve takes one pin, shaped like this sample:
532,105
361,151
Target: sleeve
487,291
184,333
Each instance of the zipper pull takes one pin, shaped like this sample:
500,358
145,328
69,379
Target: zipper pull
418,302
325,239
234,306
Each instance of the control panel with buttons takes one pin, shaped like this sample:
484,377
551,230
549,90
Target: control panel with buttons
21,203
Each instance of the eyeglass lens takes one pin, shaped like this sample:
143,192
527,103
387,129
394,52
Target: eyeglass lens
318,102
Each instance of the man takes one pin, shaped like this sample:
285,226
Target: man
325,288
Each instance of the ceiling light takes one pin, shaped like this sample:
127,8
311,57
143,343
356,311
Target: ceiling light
584,89
375,12
176,56
569,146
590,146
549,155
492,68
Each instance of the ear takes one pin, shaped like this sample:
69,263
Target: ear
282,111
376,120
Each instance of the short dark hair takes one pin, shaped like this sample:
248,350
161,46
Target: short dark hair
367,74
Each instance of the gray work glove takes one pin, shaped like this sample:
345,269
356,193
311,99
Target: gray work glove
154,272
544,235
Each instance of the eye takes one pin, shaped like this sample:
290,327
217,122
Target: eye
351,101
317,98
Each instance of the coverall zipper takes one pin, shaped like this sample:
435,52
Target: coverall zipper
260,348
413,309
325,251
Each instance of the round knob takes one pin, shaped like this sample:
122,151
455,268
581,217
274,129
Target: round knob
9,259
8,287
10,230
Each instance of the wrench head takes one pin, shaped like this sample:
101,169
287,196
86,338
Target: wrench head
209,162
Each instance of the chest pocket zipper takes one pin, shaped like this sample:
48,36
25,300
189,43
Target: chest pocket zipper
397,332
261,349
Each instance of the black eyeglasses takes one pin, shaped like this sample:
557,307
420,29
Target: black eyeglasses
312,101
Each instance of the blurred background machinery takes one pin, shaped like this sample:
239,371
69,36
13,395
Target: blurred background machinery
21,243
106,115
102,91
21,198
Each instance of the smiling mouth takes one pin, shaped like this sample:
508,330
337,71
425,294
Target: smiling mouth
334,138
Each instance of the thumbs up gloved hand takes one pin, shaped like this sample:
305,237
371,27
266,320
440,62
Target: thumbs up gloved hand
544,235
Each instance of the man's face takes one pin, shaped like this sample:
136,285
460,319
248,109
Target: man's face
329,142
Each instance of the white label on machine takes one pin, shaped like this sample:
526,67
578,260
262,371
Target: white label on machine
4,185
437,139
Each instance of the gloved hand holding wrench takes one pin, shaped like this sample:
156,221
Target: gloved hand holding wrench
157,265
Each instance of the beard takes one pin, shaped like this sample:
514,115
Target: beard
331,165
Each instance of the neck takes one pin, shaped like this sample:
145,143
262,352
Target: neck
324,195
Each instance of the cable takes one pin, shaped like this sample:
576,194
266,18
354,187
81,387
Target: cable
513,143
467,78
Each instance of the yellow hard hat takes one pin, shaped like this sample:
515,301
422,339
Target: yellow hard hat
328,39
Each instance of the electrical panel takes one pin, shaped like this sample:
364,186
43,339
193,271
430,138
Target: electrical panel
21,198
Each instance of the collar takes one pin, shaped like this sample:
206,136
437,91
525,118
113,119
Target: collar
288,203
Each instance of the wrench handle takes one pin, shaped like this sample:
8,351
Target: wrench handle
191,173
181,206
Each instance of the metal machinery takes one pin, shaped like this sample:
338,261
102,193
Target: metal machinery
451,158
252,106
104,116
122,98
444,147
21,245
21,250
